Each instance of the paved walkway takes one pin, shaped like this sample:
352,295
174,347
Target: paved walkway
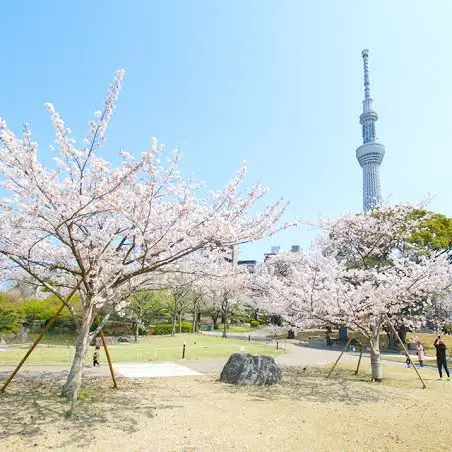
296,356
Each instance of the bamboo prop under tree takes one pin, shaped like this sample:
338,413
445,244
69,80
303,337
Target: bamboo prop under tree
361,349
107,353
388,320
340,356
36,342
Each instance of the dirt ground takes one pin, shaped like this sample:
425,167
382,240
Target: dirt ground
306,412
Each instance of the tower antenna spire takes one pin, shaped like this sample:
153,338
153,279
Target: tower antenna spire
365,55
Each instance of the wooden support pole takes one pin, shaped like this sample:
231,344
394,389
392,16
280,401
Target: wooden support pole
36,342
340,356
107,353
359,360
388,320
51,322
43,332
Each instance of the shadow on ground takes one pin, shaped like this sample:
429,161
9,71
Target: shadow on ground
30,407
32,411
311,384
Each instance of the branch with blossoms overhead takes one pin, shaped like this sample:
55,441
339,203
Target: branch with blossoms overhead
111,229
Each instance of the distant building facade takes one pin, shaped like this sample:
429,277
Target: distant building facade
250,265
277,249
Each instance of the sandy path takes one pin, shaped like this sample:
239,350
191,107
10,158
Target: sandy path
304,413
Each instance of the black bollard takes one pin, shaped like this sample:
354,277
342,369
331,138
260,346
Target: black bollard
183,352
249,337
277,345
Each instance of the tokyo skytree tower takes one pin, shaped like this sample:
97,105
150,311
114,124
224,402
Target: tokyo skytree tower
370,154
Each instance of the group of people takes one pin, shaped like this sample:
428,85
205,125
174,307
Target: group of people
441,356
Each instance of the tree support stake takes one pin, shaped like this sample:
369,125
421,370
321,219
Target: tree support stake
107,354
388,320
359,360
340,356
38,339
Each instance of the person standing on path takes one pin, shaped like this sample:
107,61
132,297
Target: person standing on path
329,342
96,356
420,353
441,359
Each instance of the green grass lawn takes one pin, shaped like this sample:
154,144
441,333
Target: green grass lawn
237,329
428,339
157,348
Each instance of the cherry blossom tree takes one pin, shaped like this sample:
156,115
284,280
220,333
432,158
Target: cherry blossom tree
357,274
104,230
227,293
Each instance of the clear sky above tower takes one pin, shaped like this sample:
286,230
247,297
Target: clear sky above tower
277,83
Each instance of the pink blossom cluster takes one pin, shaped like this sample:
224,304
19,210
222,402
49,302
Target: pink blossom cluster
111,230
358,271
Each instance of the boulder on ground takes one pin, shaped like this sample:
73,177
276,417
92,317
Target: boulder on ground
245,369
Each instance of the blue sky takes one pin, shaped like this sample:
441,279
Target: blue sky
275,82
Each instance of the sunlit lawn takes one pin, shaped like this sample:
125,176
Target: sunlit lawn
237,329
158,348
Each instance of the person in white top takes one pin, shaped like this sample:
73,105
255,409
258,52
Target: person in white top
420,353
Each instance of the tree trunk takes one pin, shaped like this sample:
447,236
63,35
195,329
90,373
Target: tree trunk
393,344
375,355
402,333
180,323
74,379
375,362
136,332
173,328
225,325
195,318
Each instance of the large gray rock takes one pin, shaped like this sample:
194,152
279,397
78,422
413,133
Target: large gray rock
245,369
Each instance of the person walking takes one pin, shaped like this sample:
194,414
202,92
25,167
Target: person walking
441,359
329,342
96,356
420,353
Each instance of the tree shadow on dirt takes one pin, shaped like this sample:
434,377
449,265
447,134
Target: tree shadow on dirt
32,408
311,384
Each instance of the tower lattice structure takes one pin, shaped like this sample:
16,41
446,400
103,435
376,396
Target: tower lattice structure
370,154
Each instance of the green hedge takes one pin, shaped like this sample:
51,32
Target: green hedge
163,328
255,324
10,320
166,328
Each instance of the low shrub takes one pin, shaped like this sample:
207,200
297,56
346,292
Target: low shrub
166,328
163,328
255,324
187,327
